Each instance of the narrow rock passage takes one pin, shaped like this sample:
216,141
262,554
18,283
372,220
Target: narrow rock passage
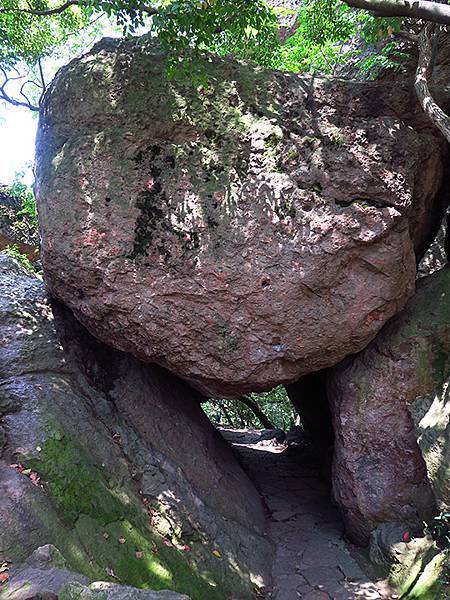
312,559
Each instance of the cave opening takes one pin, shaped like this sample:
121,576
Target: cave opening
295,418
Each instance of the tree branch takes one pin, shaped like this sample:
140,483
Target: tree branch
435,113
416,9
41,74
59,9
44,13
150,11
251,404
7,98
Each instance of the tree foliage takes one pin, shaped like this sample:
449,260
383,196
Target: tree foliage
325,29
24,194
248,29
26,40
245,28
24,37
330,36
32,30
18,210
231,412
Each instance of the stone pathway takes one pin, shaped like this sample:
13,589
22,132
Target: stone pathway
312,560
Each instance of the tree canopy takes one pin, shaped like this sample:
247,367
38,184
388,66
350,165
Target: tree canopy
328,34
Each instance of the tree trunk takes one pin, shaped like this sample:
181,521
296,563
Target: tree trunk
227,415
436,114
417,9
251,404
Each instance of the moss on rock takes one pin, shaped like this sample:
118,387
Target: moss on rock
420,574
113,528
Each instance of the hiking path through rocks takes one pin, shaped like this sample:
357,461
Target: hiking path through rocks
312,559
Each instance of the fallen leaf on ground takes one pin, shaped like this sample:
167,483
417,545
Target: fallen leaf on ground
34,478
111,573
154,520
18,468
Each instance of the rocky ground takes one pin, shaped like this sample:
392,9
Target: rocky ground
312,559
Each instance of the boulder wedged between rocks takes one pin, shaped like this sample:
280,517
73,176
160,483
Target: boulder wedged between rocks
240,234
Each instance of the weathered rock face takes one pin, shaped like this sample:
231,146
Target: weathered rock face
44,576
116,449
392,417
240,234
417,567
438,254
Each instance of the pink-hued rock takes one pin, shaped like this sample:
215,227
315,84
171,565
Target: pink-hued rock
239,234
391,413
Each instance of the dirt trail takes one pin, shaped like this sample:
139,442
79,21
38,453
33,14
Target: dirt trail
312,560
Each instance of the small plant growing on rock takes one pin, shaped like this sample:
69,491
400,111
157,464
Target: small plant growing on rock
292,154
26,222
439,530
14,252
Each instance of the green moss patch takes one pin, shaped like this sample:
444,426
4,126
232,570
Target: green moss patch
77,487
112,529
420,576
428,585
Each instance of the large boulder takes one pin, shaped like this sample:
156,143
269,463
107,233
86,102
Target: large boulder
114,462
240,233
391,410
